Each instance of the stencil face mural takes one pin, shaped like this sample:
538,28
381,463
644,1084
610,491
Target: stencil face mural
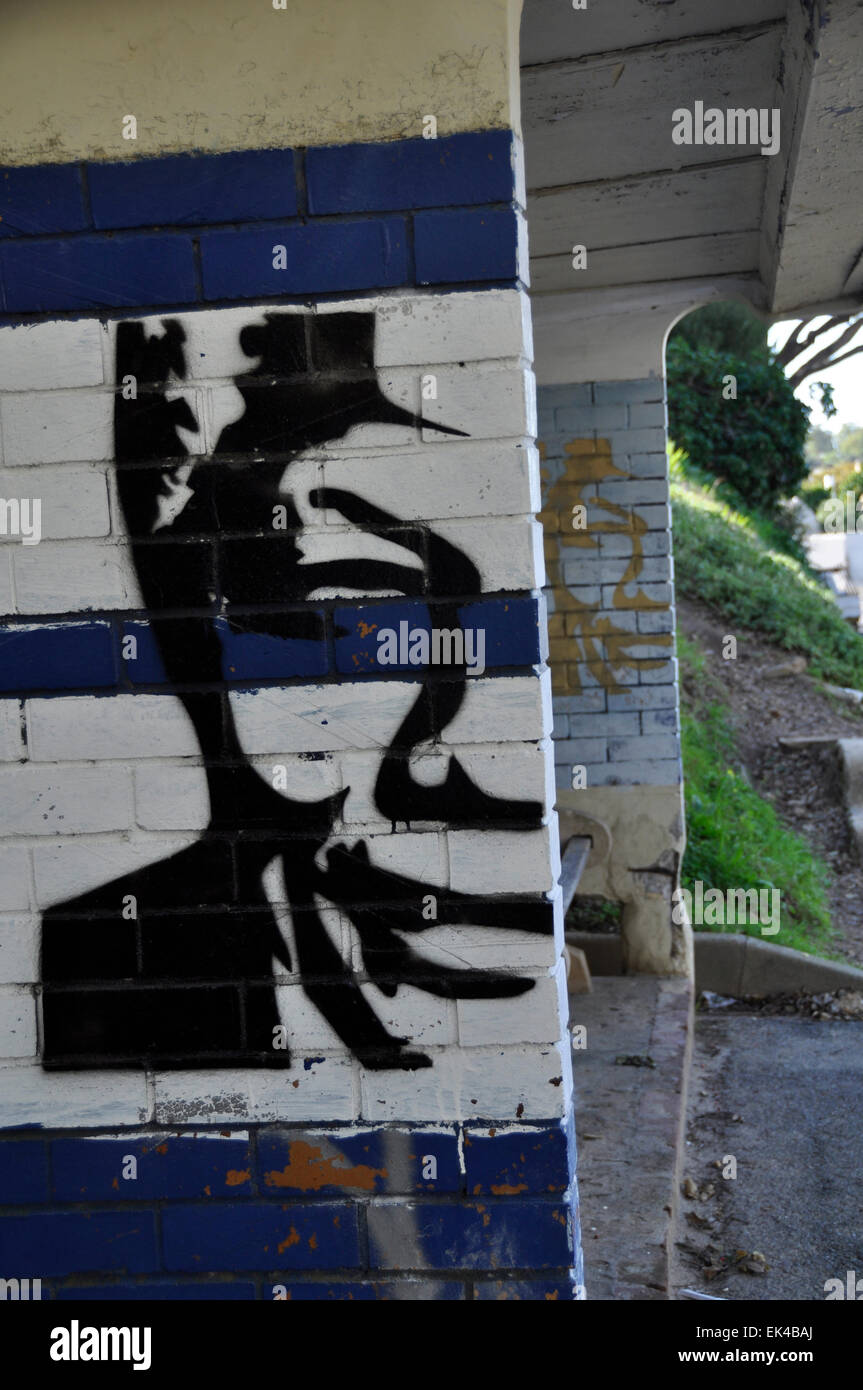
176,965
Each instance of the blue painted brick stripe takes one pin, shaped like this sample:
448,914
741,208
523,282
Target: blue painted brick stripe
405,1290
274,1236
457,246
57,656
319,258
167,1168
174,1293
471,168
41,198
89,272
468,169
511,628
60,658
325,1163
522,1291
187,189
43,1244
517,1161
23,1173
492,1234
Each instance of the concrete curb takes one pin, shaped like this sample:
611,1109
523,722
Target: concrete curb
731,963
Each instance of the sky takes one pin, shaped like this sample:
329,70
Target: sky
846,378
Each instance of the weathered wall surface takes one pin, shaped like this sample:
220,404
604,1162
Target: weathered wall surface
610,572
281,938
227,75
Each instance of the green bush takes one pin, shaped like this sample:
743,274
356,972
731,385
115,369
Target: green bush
754,443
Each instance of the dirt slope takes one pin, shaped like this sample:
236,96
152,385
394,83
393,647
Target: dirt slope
804,785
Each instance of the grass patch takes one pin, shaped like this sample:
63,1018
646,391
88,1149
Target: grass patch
735,839
726,559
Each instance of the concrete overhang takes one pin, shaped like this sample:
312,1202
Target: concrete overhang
675,225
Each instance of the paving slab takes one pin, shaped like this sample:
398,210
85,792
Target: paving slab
629,1127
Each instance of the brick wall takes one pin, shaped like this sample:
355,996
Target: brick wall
269,904
610,598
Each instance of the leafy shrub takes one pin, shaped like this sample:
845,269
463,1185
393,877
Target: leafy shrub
754,443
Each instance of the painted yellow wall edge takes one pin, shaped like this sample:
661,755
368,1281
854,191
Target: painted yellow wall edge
238,74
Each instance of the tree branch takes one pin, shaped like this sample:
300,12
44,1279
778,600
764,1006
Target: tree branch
827,355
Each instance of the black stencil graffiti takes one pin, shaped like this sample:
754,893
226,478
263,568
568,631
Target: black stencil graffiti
173,965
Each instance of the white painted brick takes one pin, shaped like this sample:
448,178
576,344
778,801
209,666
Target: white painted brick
421,856
643,441
171,797
623,750
57,427
67,576
645,416
74,498
423,1018
7,602
462,480
31,1096
487,404
495,1084
589,594
660,593
661,721
652,543
19,949
604,725
492,861
656,622
666,674
76,866
580,750
507,554
449,328
17,1022
116,726
306,1028
40,800
633,492
411,329
656,518
502,709
48,356
14,878
488,948
539,1016
12,747
509,770
653,465
308,719
324,1091
661,697
357,715
593,700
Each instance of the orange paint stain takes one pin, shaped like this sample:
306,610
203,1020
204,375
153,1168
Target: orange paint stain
291,1239
309,1171
235,1177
